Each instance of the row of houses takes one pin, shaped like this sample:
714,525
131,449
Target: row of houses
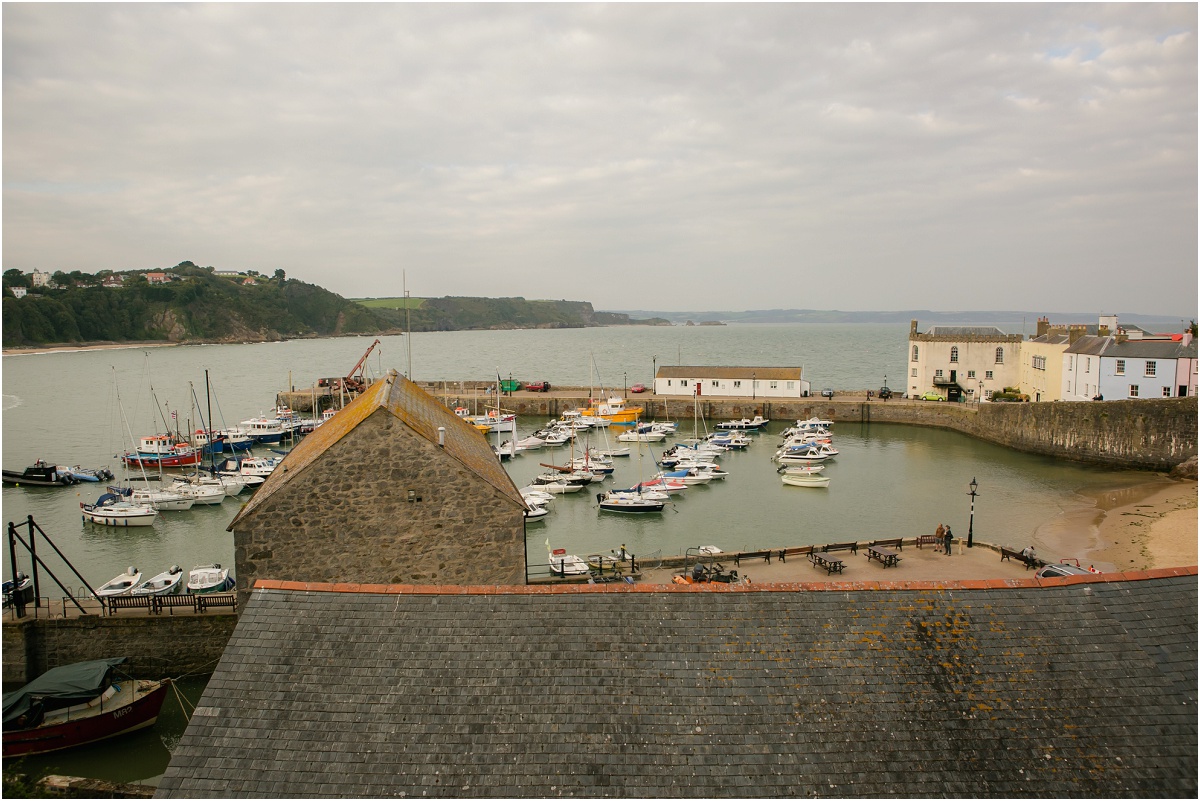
1074,362
40,278
977,363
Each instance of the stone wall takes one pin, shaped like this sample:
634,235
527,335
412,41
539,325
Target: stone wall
1150,434
347,517
156,646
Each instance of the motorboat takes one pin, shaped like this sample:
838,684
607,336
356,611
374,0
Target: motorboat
558,486
232,485
14,588
162,500
801,469
614,410
204,579
642,433
168,582
202,494
805,480
120,585
110,510
564,564
668,485
755,424
532,495
686,476
263,430
628,502
78,704
93,475
535,513
40,474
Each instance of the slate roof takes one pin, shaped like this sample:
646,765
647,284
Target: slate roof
1108,347
413,406
965,331
760,373
1065,687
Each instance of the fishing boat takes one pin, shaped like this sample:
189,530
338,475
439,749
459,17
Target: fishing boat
40,474
805,480
168,582
110,510
120,585
77,704
204,579
163,450
263,430
614,410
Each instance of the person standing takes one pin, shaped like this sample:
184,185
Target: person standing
949,540
941,537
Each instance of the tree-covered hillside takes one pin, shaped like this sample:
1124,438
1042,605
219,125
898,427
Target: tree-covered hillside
188,303
457,313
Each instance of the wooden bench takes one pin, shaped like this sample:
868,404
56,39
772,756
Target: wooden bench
885,557
1008,553
831,564
897,543
216,600
841,546
764,555
115,602
928,539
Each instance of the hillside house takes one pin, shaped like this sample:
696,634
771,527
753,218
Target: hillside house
113,280
18,291
157,278
963,362
731,382
40,278
393,489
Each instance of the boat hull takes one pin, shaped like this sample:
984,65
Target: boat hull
100,518
138,714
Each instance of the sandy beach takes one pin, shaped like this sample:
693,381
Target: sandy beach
77,348
1148,526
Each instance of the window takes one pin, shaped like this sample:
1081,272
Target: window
774,385
1039,363
987,375
937,373
914,372
737,384
1070,362
999,355
1120,367
970,374
791,385
914,356
715,383
1133,390
683,382
954,354
668,382
1087,365
1166,392
1151,368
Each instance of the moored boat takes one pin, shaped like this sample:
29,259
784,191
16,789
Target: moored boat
564,564
744,424
614,410
40,474
805,480
204,579
163,450
120,585
77,704
168,582
109,510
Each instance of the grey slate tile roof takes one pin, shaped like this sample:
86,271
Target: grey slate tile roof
1133,348
1079,690
965,331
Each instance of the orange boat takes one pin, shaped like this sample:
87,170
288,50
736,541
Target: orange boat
614,410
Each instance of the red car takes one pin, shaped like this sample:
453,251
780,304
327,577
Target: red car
538,386
638,388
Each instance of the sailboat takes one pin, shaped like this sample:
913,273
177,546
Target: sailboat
638,501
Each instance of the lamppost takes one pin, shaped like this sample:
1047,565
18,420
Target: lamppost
625,393
971,525
654,376
754,386
979,399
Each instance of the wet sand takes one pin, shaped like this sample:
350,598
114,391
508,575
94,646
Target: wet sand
1149,526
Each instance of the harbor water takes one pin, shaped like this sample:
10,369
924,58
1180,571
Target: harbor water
83,407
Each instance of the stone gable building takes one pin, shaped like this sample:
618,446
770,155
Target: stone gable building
394,488
962,362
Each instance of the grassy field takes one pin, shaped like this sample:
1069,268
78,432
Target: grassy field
390,303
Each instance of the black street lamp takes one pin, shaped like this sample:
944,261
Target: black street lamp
754,386
654,376
971,525
626,392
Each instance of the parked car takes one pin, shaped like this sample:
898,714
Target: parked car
932,396
538,386
1052,571
827,393
638,388
885,393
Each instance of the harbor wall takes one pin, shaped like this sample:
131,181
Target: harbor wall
1149,434
155,645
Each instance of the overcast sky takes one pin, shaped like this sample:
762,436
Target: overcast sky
674,157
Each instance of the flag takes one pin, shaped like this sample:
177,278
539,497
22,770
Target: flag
173,415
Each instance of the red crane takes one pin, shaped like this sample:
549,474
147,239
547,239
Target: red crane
354,381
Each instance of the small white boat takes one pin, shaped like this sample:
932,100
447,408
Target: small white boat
613,452
162,500
108,510
120,585
533,495
805,480
535,513
708,550
530,443
801,469
209,578
203,494
168,582
564,564
559,487
642,434
744,424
